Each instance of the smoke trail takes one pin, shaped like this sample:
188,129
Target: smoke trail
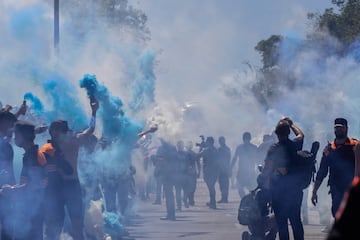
65,103
36,105
116,127
144,86
115,123
354,50
111,106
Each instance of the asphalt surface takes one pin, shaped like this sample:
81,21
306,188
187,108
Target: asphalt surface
200,222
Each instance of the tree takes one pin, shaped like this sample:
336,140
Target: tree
268,50
345,25
120,13
116,14
265,88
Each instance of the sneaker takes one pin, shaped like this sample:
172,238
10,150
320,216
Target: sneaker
223,201
168,218
212,206
326,229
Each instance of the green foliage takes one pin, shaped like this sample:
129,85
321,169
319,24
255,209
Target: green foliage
344,25
265,88
268,50
116,14
119,12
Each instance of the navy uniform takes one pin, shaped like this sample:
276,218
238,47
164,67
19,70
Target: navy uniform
338,160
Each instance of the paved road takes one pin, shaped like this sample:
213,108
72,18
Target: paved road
200,222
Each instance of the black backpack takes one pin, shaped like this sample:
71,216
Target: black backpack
304,168
249,210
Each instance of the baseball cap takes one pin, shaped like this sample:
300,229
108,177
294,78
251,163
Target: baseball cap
340,122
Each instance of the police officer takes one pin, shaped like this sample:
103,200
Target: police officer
338,160
349,210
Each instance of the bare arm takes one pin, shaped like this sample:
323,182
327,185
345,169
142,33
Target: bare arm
314,197
296,130
21,111
320,175
41,129
90,130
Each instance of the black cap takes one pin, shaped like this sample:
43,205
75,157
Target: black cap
340,122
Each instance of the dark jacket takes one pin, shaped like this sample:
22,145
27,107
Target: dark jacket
339,162
281,159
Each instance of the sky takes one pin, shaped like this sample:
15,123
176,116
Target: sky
203,40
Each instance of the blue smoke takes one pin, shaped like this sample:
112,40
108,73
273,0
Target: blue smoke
28,34
354,50
36,105
110,112
289,48
113,226
143,87
65,102
22,23
115,124
120,130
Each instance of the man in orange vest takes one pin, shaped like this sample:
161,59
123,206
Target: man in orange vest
338,160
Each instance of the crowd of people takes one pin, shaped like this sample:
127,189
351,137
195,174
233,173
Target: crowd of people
49,181
178,166
279,155
54,184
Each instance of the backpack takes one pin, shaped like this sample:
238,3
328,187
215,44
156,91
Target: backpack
304,168
249,210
